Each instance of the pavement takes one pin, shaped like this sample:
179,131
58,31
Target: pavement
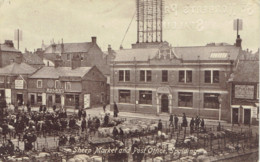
98,111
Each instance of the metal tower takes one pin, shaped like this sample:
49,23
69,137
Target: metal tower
149,20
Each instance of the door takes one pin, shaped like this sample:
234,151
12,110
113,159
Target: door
247,116
32,98
50,101
19,99
235,115
165,103
86,100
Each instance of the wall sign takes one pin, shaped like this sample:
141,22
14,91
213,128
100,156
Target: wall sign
244,91
19,84
86,100
53,90
254,112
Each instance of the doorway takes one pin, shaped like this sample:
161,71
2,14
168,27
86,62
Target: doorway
165,103
50,101
235,115
32,99
247,116
19,98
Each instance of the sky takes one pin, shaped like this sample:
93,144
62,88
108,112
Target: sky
186,22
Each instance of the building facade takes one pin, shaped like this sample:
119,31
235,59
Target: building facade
67,87
162,79
8,53
244,88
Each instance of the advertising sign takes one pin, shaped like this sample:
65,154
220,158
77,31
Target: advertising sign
244,91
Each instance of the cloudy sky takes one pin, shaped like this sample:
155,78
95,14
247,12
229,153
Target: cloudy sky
186,22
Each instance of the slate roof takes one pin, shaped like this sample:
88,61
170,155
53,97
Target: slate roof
140,54
55,73
70,48
192,53
247,71
16,69
32,59
7,48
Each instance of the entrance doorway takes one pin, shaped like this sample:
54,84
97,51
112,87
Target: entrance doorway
19,98
235,115
50,101
247,116
32,99
165,103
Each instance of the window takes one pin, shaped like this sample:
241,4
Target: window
2,79
145,97
39,83
207,76
124,96
68,57
185,99
72,100
164,76
57,84
185,76
124,75
211,76
57,98
215,76
121,75
181,76
82,57
142,75
211,100
67,85
39,97
145,75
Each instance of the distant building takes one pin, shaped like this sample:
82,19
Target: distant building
157,78
33,59
14,82
244,91
8,53
67,87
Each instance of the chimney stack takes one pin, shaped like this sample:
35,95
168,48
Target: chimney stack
62,46
94,40
57,62
9,43
75,62
238,41
19,59
109,49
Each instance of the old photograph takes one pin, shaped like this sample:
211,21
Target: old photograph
129,80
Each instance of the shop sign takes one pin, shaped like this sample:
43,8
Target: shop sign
163,90
54,90
19,84
244,91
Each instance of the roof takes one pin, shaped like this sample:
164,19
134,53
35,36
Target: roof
16,69
32,59
209,52
50,56
52,72
140,54
7,48
69,47
247,71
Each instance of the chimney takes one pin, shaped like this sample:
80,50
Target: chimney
9,43
75,62
57,62
109,49
53,48
62,46
19,59
238,41
94,40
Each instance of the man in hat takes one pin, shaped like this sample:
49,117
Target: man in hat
160,126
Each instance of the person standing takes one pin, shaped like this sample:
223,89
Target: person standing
79,113
202,124
115,110
176,121
184,121
171,120
160,126
197,122
84,114
192,125
104,107
83,124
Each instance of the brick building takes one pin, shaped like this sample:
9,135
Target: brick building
244,87
8,53
67,87
163,79
14,82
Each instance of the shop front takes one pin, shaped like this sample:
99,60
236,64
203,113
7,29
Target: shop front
72,100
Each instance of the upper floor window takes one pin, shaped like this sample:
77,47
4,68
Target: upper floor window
145,75
185,76
57,84
211,76
67,85
39,83
164,76
124,75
